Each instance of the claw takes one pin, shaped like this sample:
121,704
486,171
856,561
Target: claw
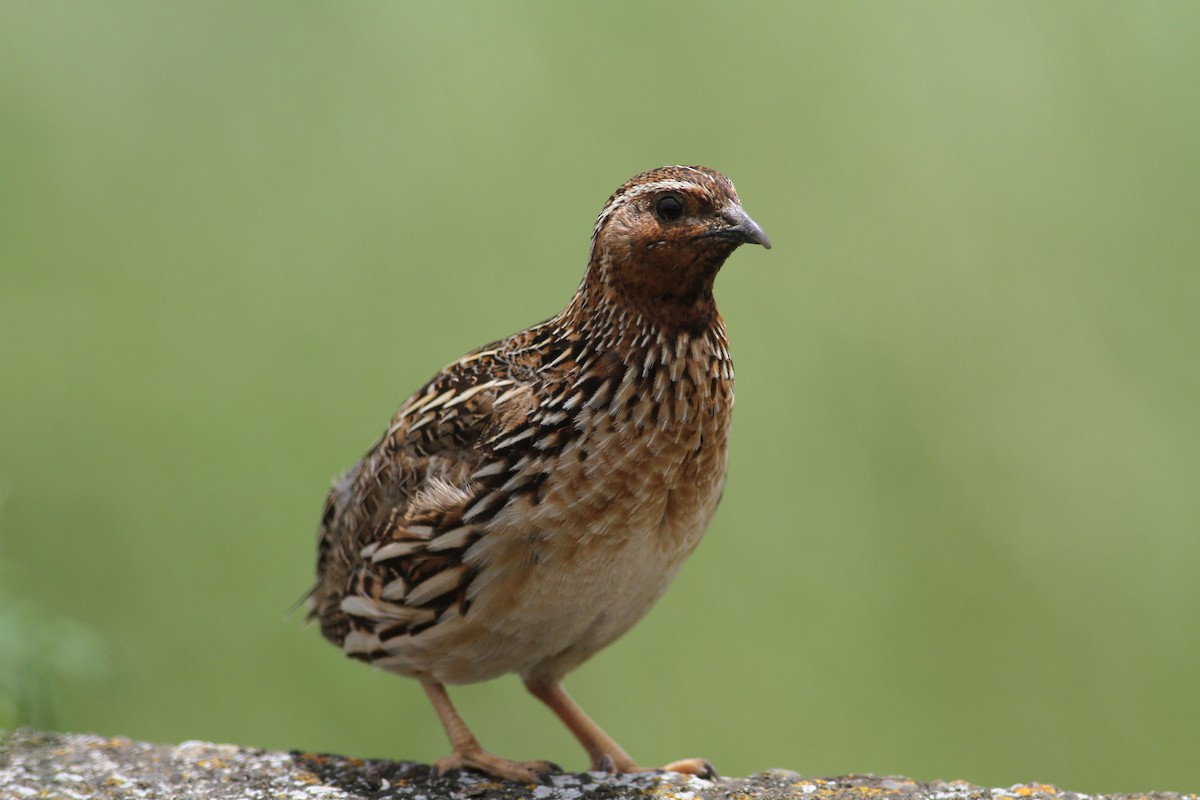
546,776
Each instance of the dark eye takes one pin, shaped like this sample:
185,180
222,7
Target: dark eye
669,207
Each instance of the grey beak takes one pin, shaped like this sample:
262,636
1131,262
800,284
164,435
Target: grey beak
747,228
741,229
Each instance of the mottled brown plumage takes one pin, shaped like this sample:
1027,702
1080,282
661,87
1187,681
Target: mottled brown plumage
531,502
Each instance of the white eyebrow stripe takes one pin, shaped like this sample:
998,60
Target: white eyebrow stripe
691,168
669,183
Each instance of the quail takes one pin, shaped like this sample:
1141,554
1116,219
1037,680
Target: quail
532,501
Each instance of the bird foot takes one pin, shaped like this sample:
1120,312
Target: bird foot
700,767
483,761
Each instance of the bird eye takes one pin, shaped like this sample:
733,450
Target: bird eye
668,208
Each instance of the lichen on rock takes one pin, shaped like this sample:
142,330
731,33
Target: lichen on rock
79,766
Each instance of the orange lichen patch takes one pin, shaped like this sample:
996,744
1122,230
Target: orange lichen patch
858,791
317,758
1035,788
211,763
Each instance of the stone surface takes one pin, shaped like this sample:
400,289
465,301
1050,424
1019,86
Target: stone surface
75,766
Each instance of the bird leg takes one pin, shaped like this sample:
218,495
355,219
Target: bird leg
606,754
468,753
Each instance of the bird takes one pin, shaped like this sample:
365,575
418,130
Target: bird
531,502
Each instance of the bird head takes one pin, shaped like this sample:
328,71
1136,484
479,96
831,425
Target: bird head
663,236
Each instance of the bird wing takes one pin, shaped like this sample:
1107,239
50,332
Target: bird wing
396,525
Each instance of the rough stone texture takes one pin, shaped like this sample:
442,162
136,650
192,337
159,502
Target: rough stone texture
50,765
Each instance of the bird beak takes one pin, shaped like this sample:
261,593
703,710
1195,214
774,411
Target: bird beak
741,229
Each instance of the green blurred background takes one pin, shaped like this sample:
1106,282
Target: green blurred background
961,536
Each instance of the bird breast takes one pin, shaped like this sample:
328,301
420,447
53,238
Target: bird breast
620,505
